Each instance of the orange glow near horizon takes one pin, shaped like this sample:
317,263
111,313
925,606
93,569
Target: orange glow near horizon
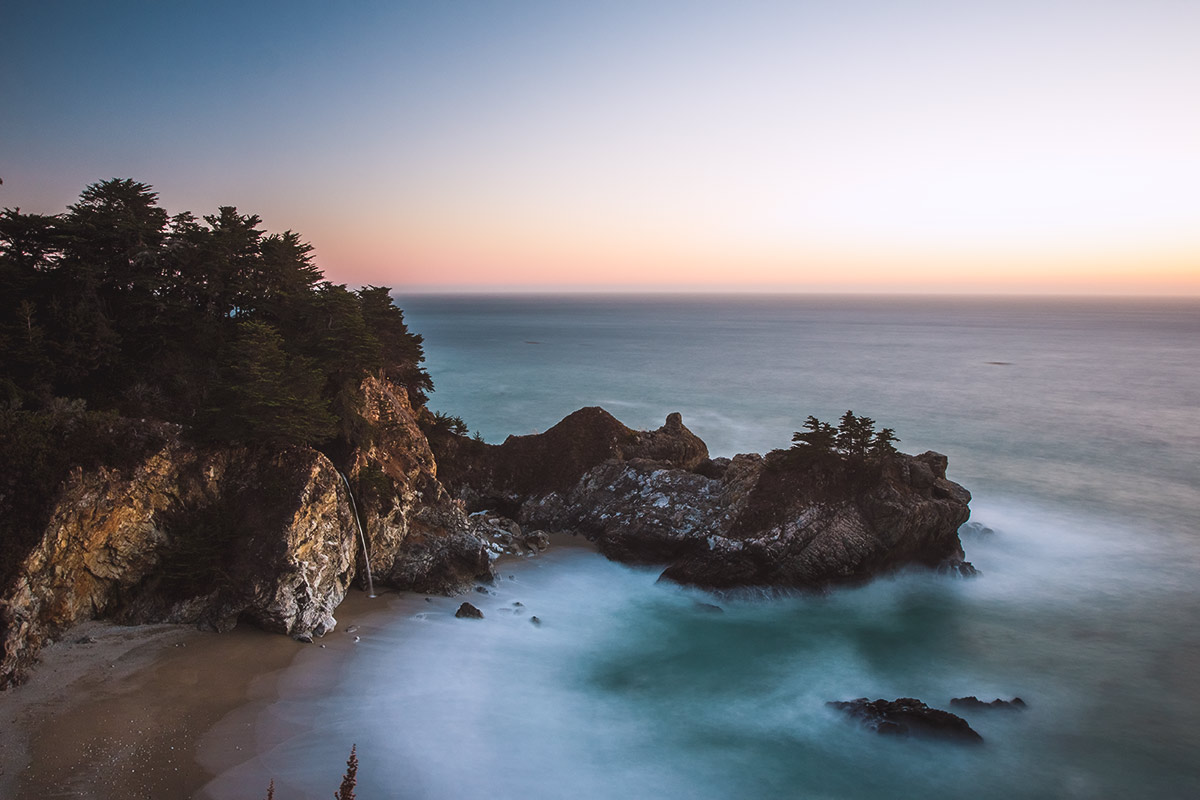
1017,147
502,256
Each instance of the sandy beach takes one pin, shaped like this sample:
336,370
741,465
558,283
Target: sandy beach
126,711
168,711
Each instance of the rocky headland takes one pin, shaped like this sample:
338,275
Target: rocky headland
779,521
166,530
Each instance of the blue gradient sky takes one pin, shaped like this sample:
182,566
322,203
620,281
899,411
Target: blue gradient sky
858,146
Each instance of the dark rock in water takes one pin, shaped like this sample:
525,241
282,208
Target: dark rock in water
709,607
973,703
907,716
789,520
501,476
302,636
772,522
535,620
957,568
482,590
974,529
504,536
468,611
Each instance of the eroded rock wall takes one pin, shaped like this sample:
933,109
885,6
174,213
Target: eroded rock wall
214,535
419,536
193,535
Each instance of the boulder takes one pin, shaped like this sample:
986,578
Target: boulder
907,716
468,611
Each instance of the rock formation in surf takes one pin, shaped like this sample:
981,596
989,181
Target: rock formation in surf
774,521
907,716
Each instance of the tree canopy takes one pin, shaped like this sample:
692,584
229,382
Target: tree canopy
855,437
212,322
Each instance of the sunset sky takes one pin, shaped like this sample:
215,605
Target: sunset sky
763,146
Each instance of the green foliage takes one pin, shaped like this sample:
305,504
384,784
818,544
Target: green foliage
211,322
854,438
817,435
268,395
448,422
373,486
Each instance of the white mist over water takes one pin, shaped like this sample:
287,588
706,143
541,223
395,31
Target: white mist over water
1081,454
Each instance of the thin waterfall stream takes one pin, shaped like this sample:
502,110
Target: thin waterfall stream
362,536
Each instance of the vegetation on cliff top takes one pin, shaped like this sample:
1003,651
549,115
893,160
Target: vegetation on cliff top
116,316
855,437
212,323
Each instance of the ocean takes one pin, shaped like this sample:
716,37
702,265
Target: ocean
1075,423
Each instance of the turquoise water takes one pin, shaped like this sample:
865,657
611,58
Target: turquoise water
1075,425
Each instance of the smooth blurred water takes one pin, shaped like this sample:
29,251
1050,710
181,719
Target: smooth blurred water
1082,450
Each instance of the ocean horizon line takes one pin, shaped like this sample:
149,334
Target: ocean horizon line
780,294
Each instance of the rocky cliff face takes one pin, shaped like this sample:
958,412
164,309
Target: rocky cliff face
419,536
197,535
487,476
776,521
216,535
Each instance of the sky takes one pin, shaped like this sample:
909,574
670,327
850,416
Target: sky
859,146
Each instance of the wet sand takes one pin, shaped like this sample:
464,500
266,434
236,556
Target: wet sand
167,711
122,712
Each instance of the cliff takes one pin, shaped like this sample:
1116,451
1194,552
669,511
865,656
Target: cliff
779,521
153,528
418,535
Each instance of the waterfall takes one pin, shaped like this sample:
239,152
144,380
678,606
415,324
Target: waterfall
362,536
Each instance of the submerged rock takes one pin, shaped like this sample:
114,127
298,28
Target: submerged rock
505,537
973,703
468,611
957,568
907,716
975,529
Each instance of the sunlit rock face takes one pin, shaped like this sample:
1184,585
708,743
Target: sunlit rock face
215,535
418,536
189,534
778,521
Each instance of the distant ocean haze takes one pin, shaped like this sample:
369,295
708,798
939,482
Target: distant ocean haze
1074,424
1094,400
